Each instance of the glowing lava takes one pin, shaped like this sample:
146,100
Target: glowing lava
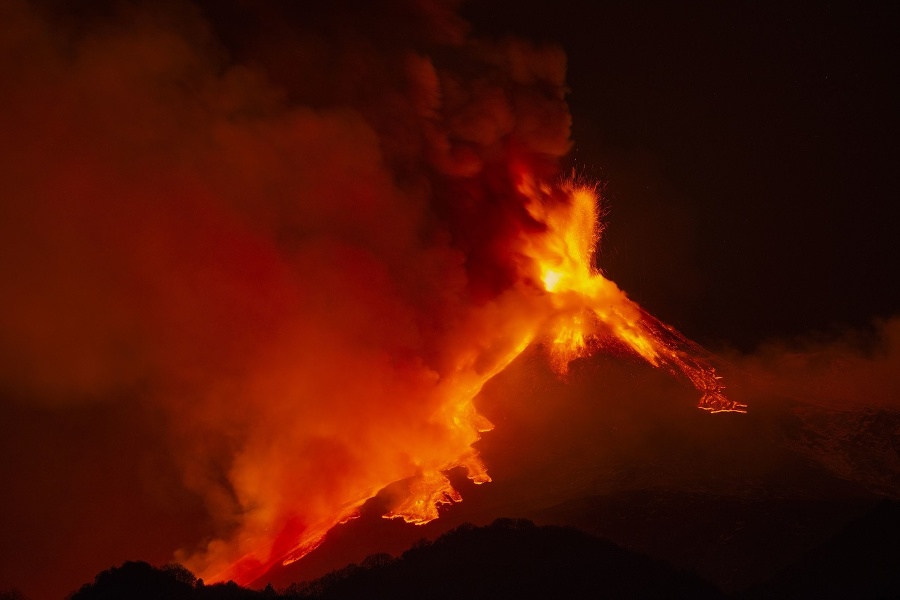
585,306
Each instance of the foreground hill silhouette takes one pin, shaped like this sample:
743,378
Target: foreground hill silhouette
511,558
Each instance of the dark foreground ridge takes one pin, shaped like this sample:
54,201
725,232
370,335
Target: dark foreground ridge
514,558
862,561
511,558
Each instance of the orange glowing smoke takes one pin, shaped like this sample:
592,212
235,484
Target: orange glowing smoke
560,300
309,261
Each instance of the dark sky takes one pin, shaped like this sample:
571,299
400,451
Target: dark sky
749,151
746,153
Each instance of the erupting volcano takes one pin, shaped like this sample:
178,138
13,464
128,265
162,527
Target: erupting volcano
291,252
558,298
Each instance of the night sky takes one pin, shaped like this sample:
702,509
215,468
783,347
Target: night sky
746,155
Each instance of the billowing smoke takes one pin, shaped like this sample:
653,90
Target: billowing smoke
300,261
273,252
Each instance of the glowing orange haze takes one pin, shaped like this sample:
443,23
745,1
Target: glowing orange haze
560,300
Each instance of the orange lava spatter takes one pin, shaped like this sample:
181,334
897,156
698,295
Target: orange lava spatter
586,305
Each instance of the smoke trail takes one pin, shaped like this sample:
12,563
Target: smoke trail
841,396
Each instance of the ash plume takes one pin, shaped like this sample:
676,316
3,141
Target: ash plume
290,245
285,253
